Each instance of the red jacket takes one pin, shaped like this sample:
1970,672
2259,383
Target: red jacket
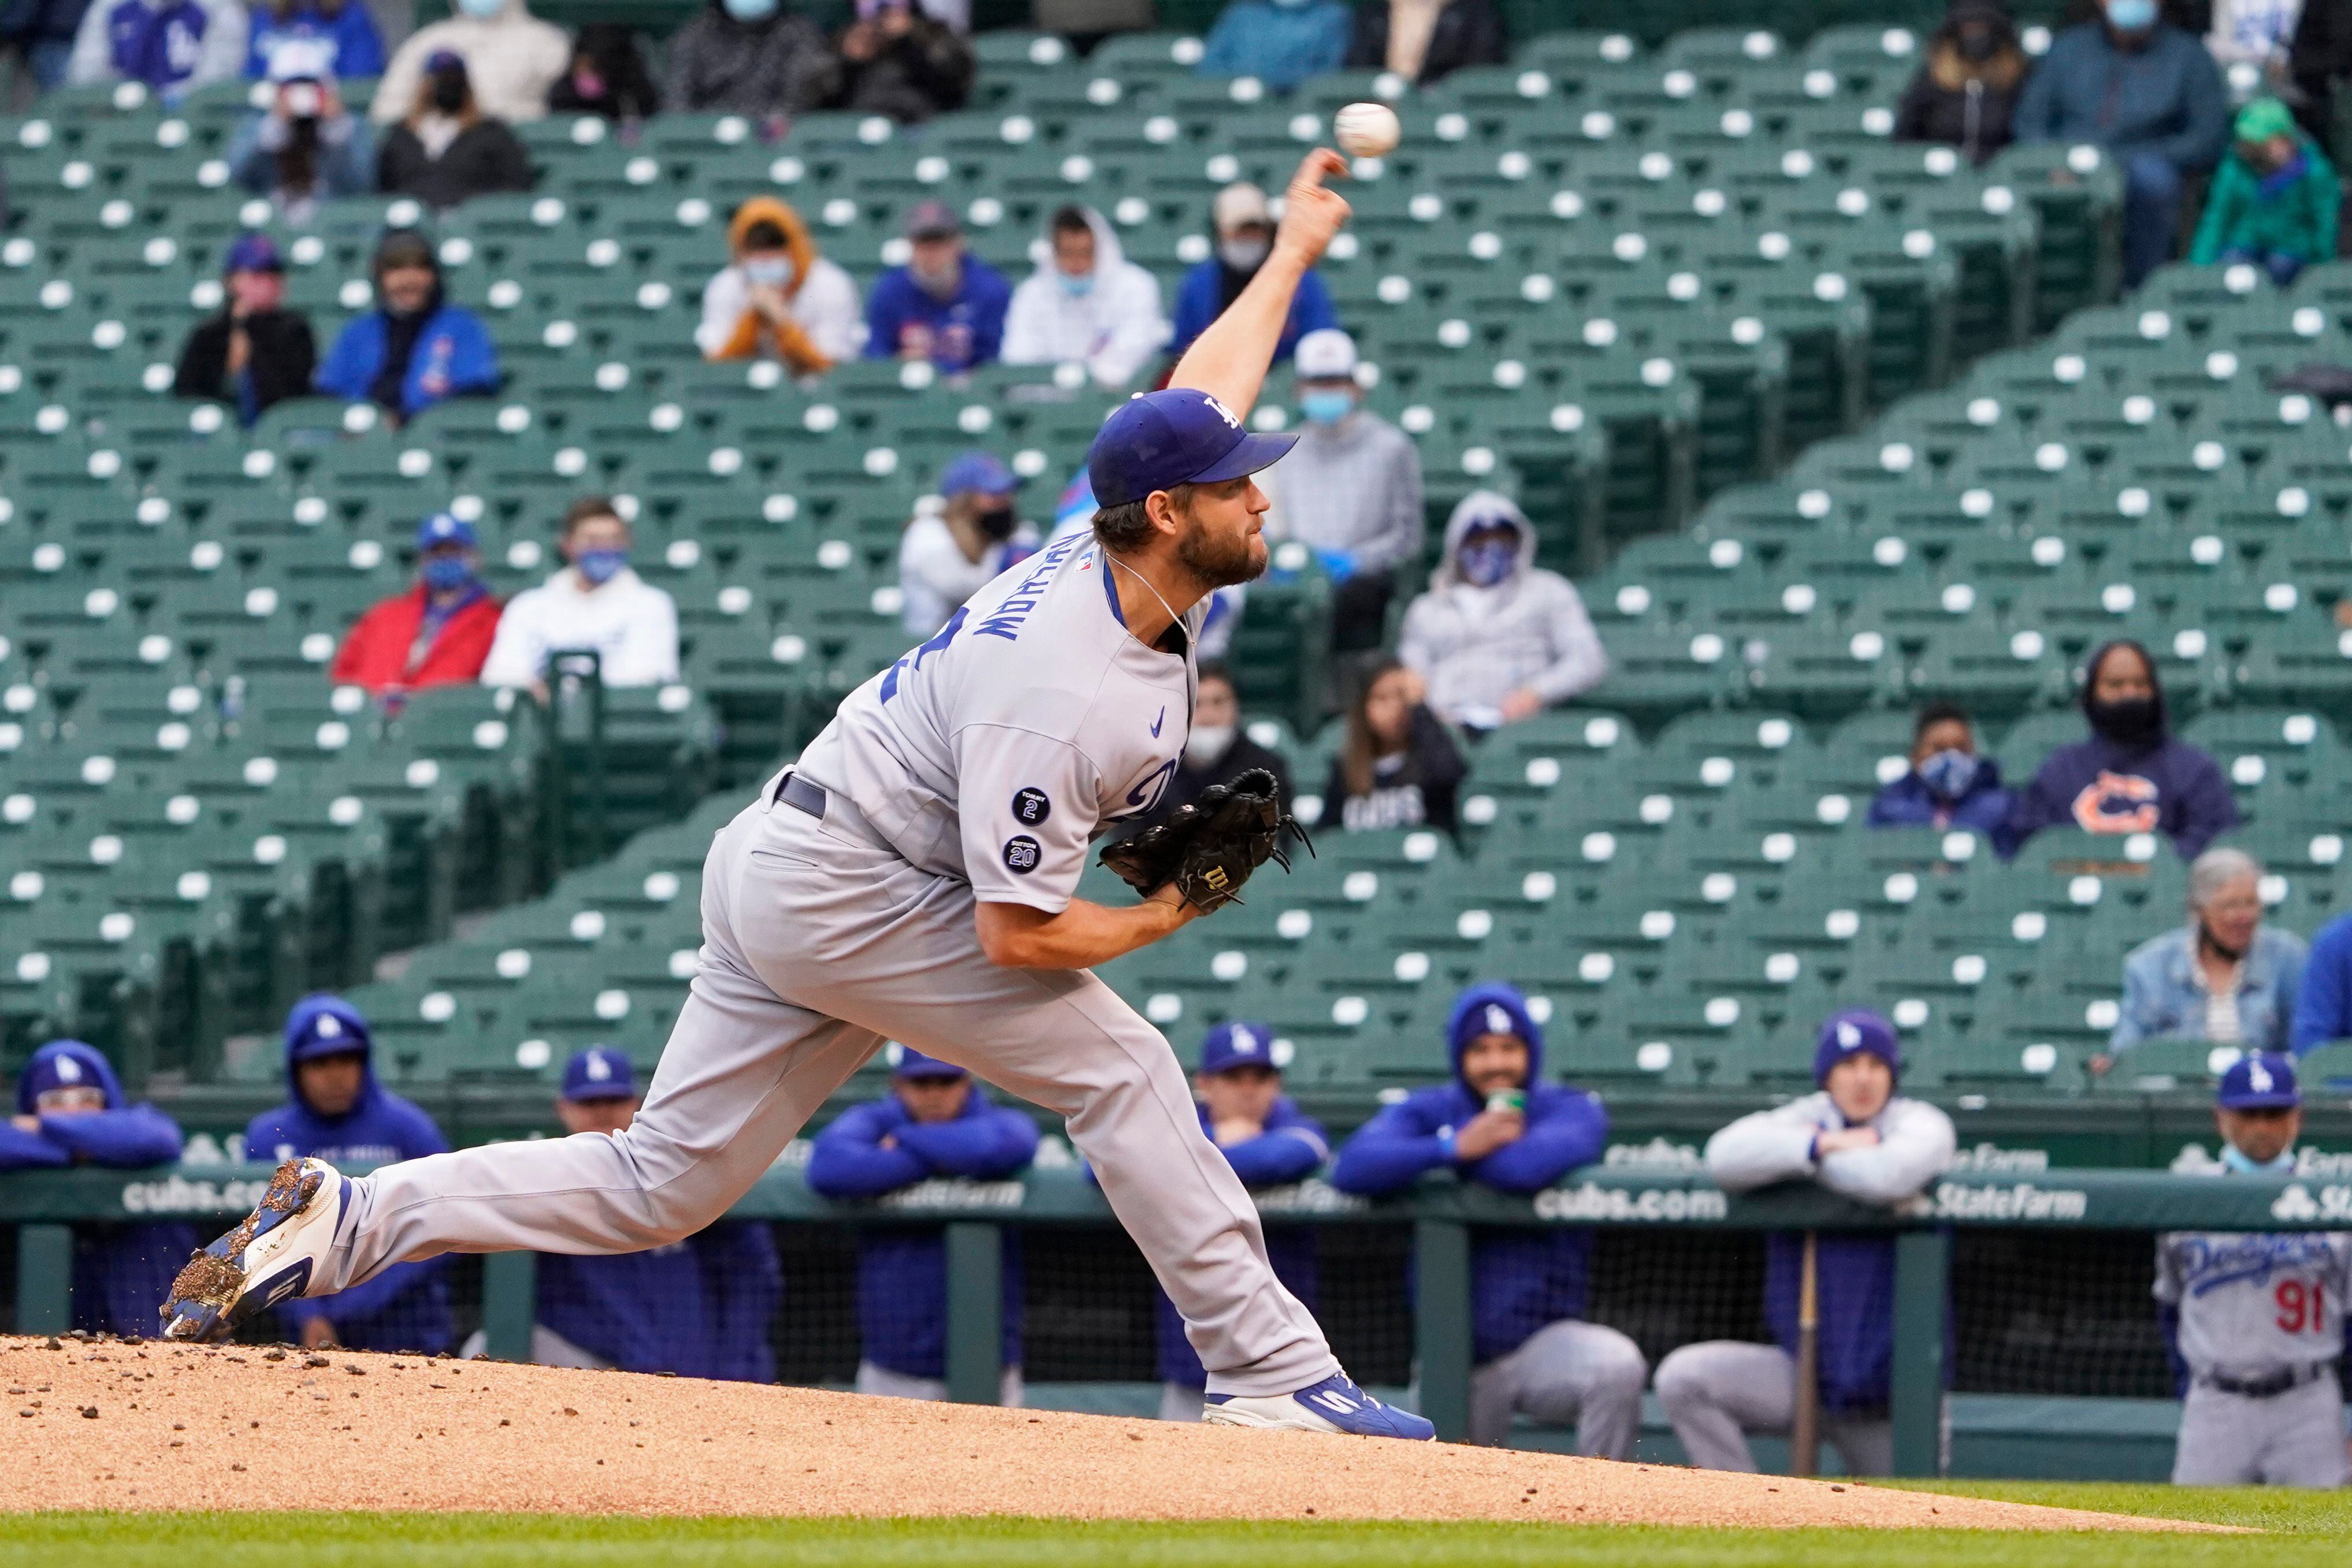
375,653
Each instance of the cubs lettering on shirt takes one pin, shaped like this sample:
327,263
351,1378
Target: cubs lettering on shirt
2253,1302
998,750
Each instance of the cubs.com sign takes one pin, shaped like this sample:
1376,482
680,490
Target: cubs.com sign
1590,1203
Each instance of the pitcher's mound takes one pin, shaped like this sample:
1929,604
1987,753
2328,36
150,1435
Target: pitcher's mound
108,1424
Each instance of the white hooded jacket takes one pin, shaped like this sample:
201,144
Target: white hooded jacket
1113,330
511,59
1475,645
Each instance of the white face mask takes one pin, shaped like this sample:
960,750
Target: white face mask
1207,742
1243,255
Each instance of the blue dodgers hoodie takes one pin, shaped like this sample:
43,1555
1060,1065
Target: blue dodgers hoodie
120,1272
407,1307
700,1308
454,357
902,1272
1520,1281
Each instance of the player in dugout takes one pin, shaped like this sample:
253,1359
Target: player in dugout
700,1308
1496,1121
935,1121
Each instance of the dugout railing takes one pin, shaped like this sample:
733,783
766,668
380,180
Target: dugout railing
1442,1216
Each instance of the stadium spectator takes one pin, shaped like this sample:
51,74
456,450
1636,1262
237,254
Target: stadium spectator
2318,56
2150,95
1280,42
945,305
306,147
948,554
344,30
1965,92
1862,1139
898,61
1351,490
415,349
699,1308
1497,639
2254,1322
512,56
935,1121
595,604
175,47
1217,748
1269,1141
778,299
1950,785
71,1111
1244,223
1498,1123
255,352
608,76
2256,32
2130,776
43,33
747,57
447,152
2273,201
1398,766
1086,303
2323,1002
1426,40
337,1111
436,634
2223,976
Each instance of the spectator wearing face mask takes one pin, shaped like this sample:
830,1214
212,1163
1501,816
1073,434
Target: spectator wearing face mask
2224,976
436,634
1350,490
1217,750
343,29
749,57
1497,639
1426,40
947,555
1086,304
595,604
1951,784
2274,200
1243,222
1965,92
2131,775
946,305
256,352
306,147
780,299
1280,42
446,151
608,76
415,349
898,61
1398,766
172,46
512,58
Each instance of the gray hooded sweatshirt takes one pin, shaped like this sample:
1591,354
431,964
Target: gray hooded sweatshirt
1475,645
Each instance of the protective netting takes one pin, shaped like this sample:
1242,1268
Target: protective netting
2057,1314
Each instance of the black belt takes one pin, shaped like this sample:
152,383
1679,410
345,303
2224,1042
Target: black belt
2285,1380
801,796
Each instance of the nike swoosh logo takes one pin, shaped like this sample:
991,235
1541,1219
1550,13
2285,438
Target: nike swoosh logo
1156,722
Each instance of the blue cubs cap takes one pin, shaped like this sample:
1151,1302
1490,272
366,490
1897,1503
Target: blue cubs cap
2259,1081
443,529
600,1072
906,1061
1237,1045
1180,436
969,472
253,253
1857,1029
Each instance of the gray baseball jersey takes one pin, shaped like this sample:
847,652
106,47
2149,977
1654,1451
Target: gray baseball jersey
996,751
2255,1301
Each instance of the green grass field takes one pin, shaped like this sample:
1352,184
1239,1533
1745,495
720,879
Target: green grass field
2299,1520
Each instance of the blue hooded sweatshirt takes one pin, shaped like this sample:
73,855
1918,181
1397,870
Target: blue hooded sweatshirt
902,1272
700,1308
454,358
407,1307
120,1272
1520,1280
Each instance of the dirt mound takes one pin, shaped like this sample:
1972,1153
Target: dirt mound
151,1426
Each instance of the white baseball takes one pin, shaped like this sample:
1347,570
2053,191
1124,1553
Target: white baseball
1367,129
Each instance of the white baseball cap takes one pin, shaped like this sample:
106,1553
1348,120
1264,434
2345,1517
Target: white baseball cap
1238,203
1326,354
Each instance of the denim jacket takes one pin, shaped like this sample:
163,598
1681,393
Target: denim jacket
2163,998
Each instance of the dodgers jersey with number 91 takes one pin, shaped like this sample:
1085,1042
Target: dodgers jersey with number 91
2253,1301
997,750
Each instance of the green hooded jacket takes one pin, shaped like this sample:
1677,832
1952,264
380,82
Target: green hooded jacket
2297,221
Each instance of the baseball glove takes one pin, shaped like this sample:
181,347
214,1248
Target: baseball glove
1210,848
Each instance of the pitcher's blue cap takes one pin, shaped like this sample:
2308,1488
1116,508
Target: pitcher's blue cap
911,1063
1237,1045
441,528
2259,1081
600,1072
1179,436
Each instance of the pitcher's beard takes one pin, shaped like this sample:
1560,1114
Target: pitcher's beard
1218,565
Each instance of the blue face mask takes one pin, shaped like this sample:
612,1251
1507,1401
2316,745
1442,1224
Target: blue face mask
481,10
1326,407
1483,566
1948,774
2131,15
2235,1160
600,566
1077,288
446,574
751,10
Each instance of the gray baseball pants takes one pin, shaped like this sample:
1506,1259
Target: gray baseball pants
2291,1439
1567,1373
1718,1392
819,942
